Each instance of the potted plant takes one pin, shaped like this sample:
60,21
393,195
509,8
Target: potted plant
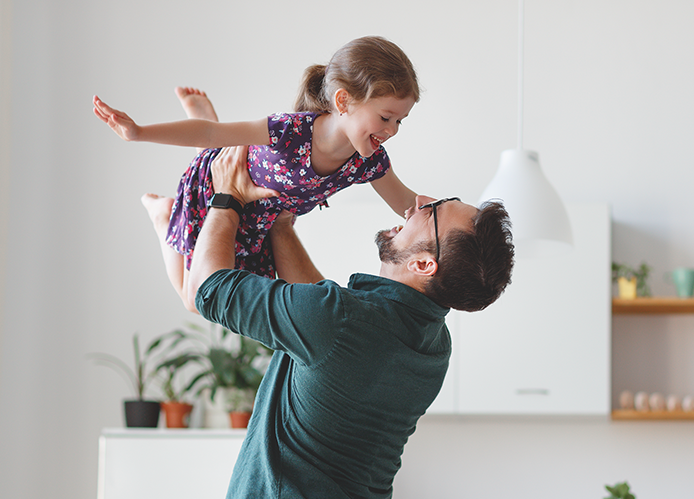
138,412
619,491
176,409
631,282
231,365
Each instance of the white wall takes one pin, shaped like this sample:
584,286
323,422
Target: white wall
608,106
5,44
474,457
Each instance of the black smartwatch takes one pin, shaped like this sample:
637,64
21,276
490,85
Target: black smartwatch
225,201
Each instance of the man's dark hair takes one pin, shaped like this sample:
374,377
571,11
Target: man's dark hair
475,265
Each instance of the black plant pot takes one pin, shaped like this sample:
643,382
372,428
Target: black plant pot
142,413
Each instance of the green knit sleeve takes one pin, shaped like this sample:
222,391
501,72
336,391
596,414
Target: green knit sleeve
302,320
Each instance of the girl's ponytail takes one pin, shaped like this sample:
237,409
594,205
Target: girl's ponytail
367,67
310,97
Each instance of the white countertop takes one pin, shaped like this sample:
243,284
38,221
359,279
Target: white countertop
175,433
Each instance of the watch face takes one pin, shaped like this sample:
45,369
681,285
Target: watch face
221,200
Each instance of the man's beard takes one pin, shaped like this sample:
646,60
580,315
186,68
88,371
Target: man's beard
387,252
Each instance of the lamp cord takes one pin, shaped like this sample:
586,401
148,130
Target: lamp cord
520,74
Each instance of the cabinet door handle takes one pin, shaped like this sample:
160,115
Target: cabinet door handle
532,391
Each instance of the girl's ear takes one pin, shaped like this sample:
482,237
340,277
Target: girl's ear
342,99
422,264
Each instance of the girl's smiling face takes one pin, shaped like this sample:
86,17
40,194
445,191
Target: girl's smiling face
372,122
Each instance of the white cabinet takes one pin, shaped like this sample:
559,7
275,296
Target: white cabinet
544,347
176,464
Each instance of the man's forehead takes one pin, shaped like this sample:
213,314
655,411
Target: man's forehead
457,214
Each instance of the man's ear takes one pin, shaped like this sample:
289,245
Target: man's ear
342,100
422,264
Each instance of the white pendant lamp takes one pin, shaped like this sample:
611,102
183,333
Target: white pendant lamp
540,222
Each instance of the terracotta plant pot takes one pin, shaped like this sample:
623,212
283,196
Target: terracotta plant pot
239,419
177,414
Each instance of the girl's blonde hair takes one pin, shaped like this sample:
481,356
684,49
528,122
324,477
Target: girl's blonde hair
367,67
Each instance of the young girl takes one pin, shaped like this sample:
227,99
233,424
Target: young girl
344,113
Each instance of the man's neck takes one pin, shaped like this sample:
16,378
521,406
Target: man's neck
400,274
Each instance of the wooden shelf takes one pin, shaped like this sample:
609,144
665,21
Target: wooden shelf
652,306
632,415
655,305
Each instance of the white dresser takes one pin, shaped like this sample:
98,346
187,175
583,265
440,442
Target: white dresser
145,463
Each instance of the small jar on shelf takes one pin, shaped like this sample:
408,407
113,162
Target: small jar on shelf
654,406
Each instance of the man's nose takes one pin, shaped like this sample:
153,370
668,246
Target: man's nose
421,200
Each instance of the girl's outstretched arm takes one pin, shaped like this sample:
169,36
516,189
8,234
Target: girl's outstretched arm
192,132
398,196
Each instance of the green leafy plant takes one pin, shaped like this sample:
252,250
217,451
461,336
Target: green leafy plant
227,360
628,272
619,491
170,370
139,376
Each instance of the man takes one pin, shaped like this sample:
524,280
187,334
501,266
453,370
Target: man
354,368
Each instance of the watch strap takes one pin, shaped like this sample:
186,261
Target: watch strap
225,201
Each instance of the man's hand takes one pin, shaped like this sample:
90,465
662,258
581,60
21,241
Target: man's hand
119,122
215,249
230,176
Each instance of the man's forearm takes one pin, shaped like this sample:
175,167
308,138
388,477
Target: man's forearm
214,249
291,259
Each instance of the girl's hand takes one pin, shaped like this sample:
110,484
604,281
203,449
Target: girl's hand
119,122
230,176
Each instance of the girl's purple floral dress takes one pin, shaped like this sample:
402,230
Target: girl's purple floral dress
284,165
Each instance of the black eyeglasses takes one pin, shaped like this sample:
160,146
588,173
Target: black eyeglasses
433,206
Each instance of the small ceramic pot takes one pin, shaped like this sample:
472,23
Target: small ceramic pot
656,402
673,403
626,400
641,402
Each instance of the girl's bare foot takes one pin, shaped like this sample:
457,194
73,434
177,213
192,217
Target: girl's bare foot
159,210
196,104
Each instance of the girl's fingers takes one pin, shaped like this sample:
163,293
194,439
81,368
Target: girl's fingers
103,107
99,115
